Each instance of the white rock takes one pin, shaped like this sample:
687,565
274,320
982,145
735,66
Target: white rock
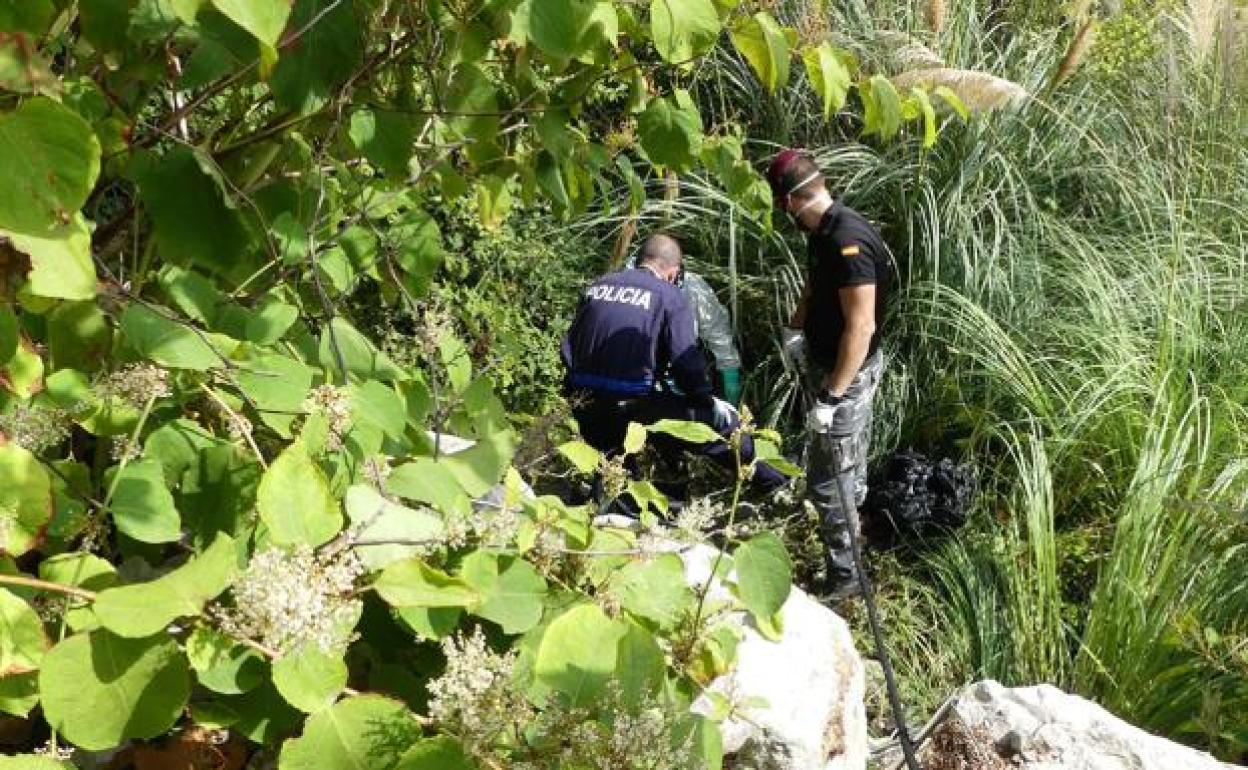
811,679
1048,729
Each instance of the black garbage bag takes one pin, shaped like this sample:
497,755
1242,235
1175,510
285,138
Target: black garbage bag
918,496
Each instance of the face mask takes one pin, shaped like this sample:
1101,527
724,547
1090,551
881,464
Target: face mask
795,216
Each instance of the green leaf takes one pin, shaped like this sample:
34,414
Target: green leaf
264,19
190,214
19,694
828,76
882,115
412,583
271,321
309,679
687,430
142,506
294,501
33,762
430,622
578,652
23,640
377,518
366,732
428,481
98,690
670,131
510,590
640,665
49,161
378,404
79,336
24,371
168,342
25,500
60,261
438,753
634,438
764,44
361,357
561,28
30,16
85,571
764,574
951,98
278,385
222,664
583,456
683,29
8,333
144,609
654,589
928,113
418,250
324,57
384,137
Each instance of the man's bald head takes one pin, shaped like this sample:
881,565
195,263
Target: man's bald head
662,252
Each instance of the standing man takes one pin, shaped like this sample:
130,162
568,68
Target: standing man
632,330
837,321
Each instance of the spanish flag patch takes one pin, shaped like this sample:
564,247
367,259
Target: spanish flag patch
850,250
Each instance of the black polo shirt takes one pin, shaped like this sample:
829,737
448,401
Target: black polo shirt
844,250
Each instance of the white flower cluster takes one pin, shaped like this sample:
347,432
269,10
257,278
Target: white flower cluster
35,428
698,518
285,599
475,695
135,384
335,404
122,449
54,751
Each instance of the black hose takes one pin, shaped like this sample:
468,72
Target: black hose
868,596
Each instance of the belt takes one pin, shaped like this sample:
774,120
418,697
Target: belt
613,386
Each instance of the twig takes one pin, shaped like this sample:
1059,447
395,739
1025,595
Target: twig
239,422
45,585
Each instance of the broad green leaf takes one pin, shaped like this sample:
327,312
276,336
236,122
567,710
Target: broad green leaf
25,499
384,137
29,16
670,131
168,342
640,665
264,19
271,321
60,260
428,481
473,95
561,28
191,216
366,732
361,357
634,438
430,622
764,574
456,361
763,43
683,29
83,570
928,114
828,76
412,583
441,752
104,23
418,250
79,336
278,385
582,456
328,52
310,679
654,589
33,762
882,116
142,506
19,694
176,446
24,371
99,690
23,640
687,430
143,609
377,518
222,664
578,652
379,405
8,333
218,493
510,590
49,161
294,500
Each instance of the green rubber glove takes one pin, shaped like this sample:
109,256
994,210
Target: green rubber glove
731,381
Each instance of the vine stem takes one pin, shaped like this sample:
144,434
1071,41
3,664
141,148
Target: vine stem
238,422
47,585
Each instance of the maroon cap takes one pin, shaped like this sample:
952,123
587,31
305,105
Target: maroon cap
779,165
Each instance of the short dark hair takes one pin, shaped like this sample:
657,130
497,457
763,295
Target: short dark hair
660,249
791,169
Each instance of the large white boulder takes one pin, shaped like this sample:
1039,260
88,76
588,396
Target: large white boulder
1043,728
811,680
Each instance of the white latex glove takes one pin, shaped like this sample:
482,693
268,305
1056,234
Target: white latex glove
725,414
793,349
822,417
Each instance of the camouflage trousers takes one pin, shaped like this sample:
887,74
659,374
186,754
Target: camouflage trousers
851,432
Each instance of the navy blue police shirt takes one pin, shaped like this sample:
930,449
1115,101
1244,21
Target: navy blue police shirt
630,329
844,250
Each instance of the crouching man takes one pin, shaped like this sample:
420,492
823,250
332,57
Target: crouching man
633,331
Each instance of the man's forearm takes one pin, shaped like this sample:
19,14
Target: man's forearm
852,351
